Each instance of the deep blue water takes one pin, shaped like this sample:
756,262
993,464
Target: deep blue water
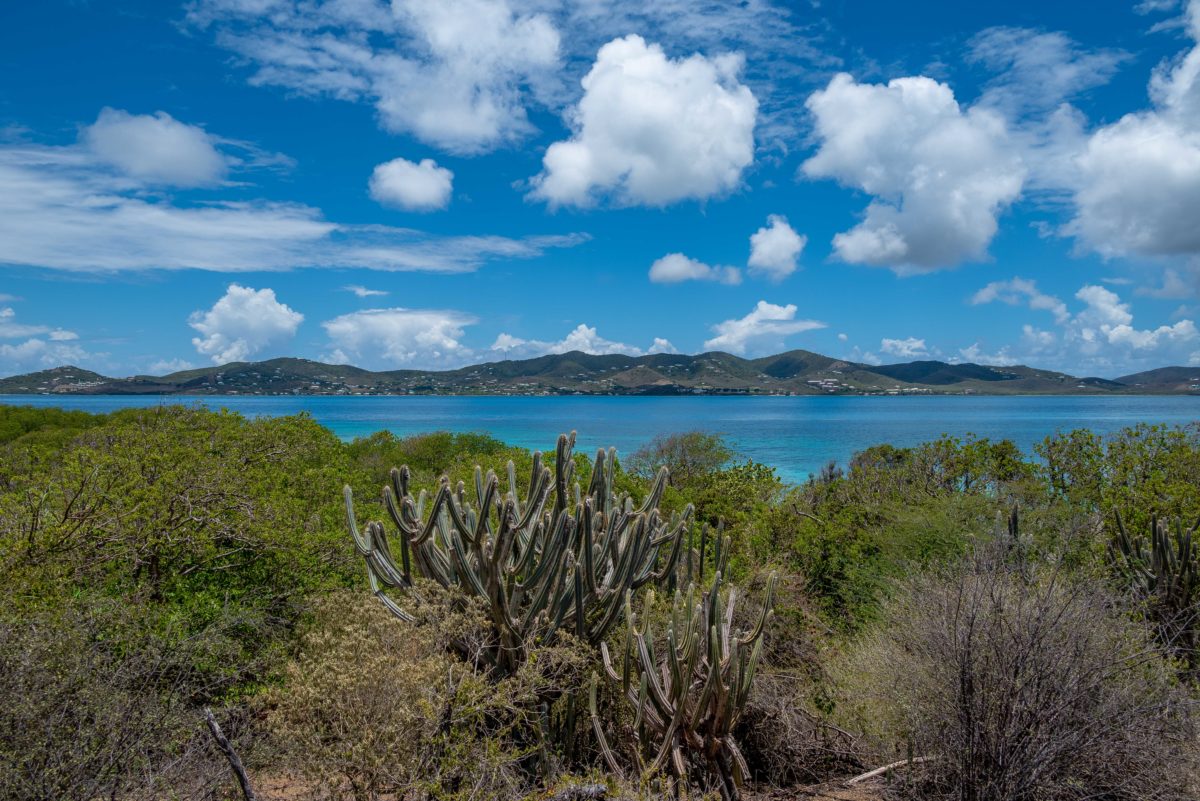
796,435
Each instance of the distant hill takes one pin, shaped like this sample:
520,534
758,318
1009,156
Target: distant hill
797,372
1164,379
58,379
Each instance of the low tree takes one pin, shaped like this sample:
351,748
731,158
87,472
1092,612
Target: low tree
690,457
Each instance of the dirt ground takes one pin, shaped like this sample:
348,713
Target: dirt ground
285,788
836,791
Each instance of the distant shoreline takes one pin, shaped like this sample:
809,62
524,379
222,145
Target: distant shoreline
733,395
795,373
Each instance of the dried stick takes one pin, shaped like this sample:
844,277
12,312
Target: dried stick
235,762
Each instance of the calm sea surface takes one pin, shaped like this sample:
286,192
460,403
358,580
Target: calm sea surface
795,435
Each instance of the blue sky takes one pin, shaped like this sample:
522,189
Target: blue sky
431,183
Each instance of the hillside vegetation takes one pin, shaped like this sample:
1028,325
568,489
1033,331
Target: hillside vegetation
985,624
794,372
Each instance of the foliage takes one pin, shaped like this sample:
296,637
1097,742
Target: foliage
722,491
54,425
158,560
430,456
1142,472
690,457
195,518
895,510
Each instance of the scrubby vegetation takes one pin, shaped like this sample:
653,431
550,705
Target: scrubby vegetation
981,623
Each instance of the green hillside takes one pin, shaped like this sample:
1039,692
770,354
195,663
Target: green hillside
796,372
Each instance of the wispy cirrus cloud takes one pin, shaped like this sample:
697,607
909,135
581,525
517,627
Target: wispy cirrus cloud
1018,290
66,208
364,292
907,348
464,75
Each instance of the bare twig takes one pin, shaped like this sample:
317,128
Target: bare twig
580,792
882,770
235,762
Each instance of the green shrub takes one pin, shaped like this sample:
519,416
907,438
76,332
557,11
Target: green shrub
98,704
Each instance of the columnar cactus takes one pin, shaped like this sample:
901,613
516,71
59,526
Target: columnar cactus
1163,570
540,570
687,699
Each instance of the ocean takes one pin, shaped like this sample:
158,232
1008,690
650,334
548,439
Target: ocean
795,435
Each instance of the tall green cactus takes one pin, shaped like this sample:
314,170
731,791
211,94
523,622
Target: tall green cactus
1163,570
540,570
687,699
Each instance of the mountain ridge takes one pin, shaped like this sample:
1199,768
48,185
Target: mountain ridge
794,372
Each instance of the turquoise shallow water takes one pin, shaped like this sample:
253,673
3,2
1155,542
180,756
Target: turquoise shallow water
796,435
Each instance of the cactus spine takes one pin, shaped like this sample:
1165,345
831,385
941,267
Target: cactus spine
554,559
687,699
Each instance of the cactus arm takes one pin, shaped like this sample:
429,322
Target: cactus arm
654,496
389,501
605,750
757,632
650,676
361,543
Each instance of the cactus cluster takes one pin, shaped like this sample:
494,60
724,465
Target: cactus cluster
687,698
555,559
1164,571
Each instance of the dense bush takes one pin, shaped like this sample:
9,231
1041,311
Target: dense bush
1010,684
98,703
155,561
373,706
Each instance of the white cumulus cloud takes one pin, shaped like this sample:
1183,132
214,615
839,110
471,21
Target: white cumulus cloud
907,348
155,148
976,354
398,337
1018,290
44,346
652,130
1100,337
1138,179
765,328
940,176
675,268
1107,320
775,249
167,366
39,354
242,323
412,186
582,338
661,345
